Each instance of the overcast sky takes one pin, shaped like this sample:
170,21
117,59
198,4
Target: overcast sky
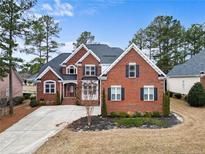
113,21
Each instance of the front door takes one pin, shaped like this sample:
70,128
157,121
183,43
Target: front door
70,90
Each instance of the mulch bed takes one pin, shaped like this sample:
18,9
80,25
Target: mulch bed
100,123
20,111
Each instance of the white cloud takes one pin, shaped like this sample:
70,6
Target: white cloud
59,8
47,7
68,47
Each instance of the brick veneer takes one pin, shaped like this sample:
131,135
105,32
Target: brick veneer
147,76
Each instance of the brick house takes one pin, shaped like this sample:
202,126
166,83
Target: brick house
131,81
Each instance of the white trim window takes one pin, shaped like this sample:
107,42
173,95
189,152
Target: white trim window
49,87
90,90
116,92
148,93
90,70
132,70
71,69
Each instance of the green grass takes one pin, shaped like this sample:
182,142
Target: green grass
139,121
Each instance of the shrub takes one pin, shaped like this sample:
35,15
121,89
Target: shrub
114,114
130,114
178,95
148,114
104,107
26,96
123,114
196,95
166,105
33,102
156,114
18,100
129,122
138,114
58,99
170,94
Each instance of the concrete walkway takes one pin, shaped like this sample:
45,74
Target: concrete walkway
32,131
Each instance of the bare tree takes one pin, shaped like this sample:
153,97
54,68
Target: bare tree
89,96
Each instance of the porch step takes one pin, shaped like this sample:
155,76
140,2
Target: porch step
69,101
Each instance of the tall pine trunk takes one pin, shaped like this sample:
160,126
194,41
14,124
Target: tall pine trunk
11,110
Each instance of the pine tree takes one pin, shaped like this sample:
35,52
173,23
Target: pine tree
12,26
85,37
52,30
195,39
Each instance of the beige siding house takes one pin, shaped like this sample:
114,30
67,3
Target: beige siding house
182,77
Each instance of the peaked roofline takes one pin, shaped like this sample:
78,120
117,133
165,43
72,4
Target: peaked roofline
160,72
45,71
74,52
85,55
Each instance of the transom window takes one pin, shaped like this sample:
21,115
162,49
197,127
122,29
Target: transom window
90,91
71,69
90,70
115,93
49,87
148,93
132,70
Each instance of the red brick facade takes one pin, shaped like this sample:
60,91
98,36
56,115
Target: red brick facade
202,80
116,76
147,76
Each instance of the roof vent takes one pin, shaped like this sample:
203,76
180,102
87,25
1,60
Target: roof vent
202,72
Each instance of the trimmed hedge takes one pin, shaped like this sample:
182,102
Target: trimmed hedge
196,95
104,107
166,105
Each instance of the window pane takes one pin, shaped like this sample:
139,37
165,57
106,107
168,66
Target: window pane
132,74
118,90
94,89
71,70
145,90
113,97
52,90
145,97
52,86
132,67
118,96
47,90
151,97
151,91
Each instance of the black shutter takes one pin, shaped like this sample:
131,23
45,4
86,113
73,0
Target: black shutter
122,93
141,94
137,70
127,71
109,93
83,70
155,94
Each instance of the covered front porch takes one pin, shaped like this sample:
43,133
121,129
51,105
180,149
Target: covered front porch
69,93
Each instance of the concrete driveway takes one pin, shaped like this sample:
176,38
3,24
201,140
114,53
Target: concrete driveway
33,130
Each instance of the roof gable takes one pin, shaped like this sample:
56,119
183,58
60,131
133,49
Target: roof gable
45,71
133,46
73,53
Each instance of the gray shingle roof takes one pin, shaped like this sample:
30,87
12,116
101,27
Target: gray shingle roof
106,54
192,67
55,64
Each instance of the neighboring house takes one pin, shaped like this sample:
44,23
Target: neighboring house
17,85
29,85
182,77
131,81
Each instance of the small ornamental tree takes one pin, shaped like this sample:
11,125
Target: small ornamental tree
196,95
104,107
166,105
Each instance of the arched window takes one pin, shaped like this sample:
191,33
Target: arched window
71,69
49,87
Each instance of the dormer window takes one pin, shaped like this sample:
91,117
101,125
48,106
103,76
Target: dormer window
71,69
